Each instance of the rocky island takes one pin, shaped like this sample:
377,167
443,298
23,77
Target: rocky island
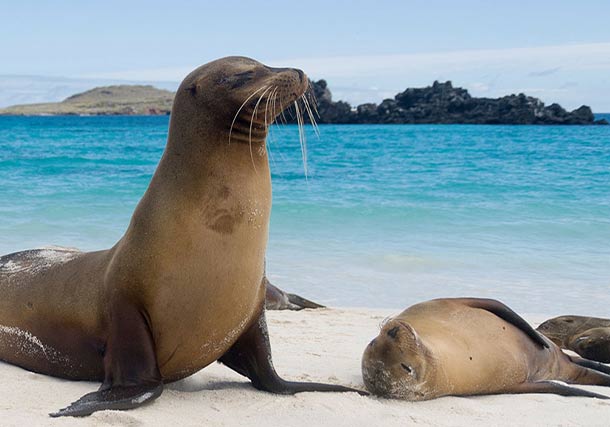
440,103
444,104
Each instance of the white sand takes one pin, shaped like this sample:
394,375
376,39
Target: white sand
323,345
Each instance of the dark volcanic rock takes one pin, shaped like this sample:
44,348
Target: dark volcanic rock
442,103
329,111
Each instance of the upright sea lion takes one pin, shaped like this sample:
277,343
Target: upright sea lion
184,286
469,346
587,336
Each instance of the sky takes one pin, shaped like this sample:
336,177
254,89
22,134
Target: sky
557,50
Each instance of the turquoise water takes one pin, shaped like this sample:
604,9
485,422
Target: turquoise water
388,215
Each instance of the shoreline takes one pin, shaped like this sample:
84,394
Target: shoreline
310,345
598,116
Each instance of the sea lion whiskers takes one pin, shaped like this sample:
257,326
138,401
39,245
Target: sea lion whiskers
302,139
267,124
314,100
251,122
312,120
282,112
242,106
275,115
267,107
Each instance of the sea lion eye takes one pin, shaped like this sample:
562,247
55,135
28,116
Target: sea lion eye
406,368
569,320
392,332
237,80
192,89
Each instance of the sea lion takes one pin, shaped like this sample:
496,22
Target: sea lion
277,299
587,336
183,287
469,346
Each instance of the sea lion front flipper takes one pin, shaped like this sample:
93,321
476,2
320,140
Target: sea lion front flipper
504,312
132,376
116,398
550,387
250,356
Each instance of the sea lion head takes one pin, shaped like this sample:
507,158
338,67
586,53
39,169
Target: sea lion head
559,328
235,97
396,363
593,344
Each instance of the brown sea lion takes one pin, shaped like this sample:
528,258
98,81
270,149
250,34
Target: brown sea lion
469,346
184,286
587,336
275,298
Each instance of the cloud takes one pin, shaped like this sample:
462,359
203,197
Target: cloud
544,73
478,87
549,59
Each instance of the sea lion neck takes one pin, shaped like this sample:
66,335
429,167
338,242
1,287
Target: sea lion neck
201,169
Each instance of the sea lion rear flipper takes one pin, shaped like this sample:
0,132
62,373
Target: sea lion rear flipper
550,387
277,299
250,356
591,364
504,312
302,303
132,376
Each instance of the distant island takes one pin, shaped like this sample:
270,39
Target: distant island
102,101
440,103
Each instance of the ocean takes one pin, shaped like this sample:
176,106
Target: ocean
387,216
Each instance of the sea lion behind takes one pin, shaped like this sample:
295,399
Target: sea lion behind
277,299
587,336
468,346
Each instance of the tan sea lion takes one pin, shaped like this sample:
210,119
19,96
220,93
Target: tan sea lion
184,286
469,346
587,336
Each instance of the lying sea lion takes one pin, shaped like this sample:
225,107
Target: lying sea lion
469,346
587,336
184,286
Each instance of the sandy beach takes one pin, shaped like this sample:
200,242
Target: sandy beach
324,345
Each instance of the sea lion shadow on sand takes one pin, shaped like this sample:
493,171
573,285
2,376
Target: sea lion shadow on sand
470,346
184,285
198,386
